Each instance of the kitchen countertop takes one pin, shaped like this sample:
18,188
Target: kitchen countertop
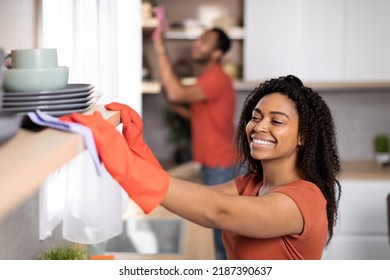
29,157
364,170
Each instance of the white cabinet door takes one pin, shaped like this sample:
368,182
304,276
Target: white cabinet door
269,39
354,247
367,40
300,37
361,232
363,208
317,40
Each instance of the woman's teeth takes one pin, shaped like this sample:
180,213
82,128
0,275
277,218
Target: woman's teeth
262,142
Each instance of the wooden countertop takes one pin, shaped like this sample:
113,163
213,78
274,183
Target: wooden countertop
29,157
364,170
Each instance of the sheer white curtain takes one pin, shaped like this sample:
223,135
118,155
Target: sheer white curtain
101,42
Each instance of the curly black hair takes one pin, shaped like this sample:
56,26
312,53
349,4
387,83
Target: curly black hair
318,158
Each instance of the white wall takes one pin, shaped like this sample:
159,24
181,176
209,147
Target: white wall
18,24
358,117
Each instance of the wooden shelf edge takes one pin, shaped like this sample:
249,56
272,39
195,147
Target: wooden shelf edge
234,33
30,157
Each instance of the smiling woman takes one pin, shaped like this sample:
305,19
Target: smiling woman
290,131
284,207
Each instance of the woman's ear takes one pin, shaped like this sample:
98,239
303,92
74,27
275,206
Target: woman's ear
300,141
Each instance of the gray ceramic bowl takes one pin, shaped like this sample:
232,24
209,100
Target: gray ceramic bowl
9,125
24,80
34,58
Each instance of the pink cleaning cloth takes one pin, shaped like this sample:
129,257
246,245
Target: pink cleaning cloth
159,12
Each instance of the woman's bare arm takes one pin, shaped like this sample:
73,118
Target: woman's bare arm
267,216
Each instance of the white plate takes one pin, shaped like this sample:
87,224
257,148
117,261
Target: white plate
61,112
22,109
9,104
66,112
71,95
68,89
46,102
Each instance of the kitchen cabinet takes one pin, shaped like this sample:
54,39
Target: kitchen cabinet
323,40
362,231
294,42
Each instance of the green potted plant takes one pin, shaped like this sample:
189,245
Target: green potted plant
180,135
65,252
381,145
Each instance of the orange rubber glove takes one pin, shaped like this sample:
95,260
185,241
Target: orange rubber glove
133,131
143,181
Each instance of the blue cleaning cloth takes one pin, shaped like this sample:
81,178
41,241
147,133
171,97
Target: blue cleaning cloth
44,119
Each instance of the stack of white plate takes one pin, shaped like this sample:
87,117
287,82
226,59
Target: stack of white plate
73,98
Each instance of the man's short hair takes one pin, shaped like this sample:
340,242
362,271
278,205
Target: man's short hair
223,41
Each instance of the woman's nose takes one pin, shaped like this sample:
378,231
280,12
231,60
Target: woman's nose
261,126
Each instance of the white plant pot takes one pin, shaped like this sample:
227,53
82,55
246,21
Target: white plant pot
382,157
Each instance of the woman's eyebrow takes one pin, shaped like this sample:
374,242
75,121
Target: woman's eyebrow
257,110
279,113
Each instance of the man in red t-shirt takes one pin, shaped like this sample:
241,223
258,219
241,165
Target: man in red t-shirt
212,101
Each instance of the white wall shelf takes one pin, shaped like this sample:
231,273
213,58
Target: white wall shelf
154,86
234,33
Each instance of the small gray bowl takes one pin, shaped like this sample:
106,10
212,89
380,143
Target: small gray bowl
25,80
9,125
